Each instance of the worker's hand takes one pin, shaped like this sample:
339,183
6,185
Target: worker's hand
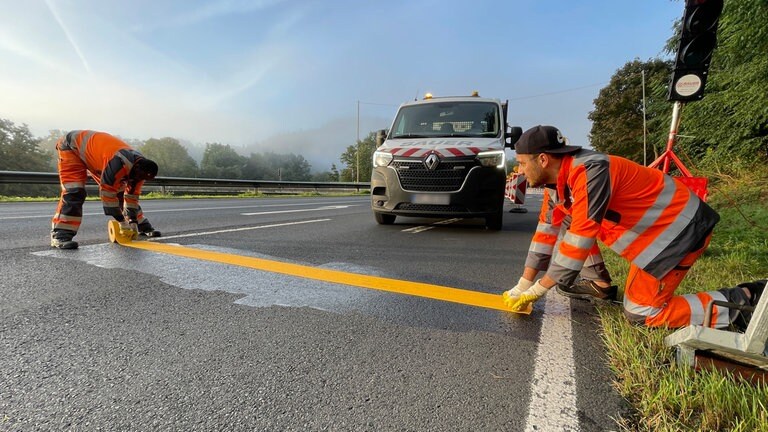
510,296
130,230
529,296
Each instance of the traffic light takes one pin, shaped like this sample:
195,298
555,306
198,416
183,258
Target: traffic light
698,39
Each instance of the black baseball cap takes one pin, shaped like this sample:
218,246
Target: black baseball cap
543,139
144,169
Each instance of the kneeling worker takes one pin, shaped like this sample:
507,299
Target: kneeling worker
119,170
649,218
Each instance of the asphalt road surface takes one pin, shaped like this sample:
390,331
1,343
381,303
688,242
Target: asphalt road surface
108,337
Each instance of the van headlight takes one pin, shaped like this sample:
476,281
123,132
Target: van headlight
381,159
493,158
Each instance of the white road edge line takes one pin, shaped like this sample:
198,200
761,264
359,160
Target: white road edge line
238,229
334,207
553,389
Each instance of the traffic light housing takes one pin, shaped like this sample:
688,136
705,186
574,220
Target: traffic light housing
698,39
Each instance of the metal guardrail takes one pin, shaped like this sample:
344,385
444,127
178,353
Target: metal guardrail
168,184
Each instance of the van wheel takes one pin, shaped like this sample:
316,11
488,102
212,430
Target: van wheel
384,218
495,222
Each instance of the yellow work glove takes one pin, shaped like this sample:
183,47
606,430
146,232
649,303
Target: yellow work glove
529,296
130,230
510,296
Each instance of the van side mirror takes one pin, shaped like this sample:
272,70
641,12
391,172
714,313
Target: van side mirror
381,135
512,135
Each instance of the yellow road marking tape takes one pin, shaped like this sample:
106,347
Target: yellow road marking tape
437,292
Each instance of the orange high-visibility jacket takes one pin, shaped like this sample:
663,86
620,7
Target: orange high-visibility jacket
644,215
109,161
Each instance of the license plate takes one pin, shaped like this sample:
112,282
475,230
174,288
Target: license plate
437,199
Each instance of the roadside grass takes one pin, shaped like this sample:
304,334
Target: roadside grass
668,397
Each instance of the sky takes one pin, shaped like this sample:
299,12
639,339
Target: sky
303,76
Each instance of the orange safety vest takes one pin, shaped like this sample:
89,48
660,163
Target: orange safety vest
644,215
109,161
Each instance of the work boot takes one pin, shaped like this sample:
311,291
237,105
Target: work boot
585,289
736,295
146,229
62,240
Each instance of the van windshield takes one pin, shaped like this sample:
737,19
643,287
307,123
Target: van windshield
447,119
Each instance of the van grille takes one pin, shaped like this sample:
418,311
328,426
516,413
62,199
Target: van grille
448,176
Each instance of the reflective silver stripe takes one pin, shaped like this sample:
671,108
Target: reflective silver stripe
636,309
66,144
649,218
542,248
131,196
666,237
578,241
126,163
546,228
84,144
73,185
568,262
697,309
108,194
585,156
110,204
723,318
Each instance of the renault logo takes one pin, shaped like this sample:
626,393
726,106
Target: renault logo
431,162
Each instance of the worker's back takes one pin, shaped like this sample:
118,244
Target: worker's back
649,216
99,147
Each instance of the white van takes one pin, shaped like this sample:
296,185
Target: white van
443,157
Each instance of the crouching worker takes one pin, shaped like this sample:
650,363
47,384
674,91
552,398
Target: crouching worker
651,219
119,170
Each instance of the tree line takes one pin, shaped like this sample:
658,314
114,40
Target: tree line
20,150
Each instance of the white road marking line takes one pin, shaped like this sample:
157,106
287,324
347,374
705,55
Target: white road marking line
553,392
238,229
422,228
336,207
418,229
447,221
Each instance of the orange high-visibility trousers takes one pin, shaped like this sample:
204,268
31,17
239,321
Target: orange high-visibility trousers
653,302
72,175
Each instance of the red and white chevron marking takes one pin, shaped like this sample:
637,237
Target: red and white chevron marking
443,152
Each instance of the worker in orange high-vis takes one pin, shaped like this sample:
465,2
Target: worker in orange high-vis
118,169
649,218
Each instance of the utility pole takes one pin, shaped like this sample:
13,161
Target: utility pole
645,129
357,145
